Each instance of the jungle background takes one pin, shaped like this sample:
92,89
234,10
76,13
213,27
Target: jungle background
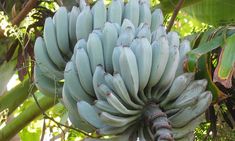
206,23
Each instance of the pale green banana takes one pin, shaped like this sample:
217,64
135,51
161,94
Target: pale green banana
115,12
72,25
156,19
99,14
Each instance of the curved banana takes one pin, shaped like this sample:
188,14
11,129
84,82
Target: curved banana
62,31
178,86
115,59
98,79
189,113
88,113
109,80
109,130
109,39
143,31
160,53
44,62
84,71
50,39
106,107
115,12
47,86
129,72
74,85
95,51
117,104
99,14
156,19
145,14
102,91
131,12
116,121
120,89
170,69
72,25
143,53
84,24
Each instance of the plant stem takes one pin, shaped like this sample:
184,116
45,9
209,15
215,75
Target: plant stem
22,120
12,99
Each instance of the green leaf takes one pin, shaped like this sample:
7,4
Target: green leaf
203,48
224,70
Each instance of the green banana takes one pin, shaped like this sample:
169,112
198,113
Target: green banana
115,58
110,130
109,80
88,113
98,78
47,86
170,69
178,86
44,62
99,14
74,85
109,39
131,12
84,24
156,19
115,12
72,25
62,31
129,73
95,51
106,107
117,104
102,91
50,39
116,121
120,89
160,53
189,113
84,71
145,14
143,53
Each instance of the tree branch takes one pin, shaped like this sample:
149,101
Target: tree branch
16,96
22,120
175,13
22,14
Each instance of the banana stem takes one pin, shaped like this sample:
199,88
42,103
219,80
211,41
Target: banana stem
18,123
158,122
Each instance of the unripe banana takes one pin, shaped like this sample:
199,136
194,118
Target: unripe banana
116,121
183,50
127,23
95,51
115,59
170,70
109,39
145,14
143,53
117,104
99,14
88,113
131,12
161,31
110,130
50,39
84,71
102,91
62,31
106,107
160,53
46,85
126,37
98,79
115,12
120,89
189,113
178,86
74,85
129,72
157,19
109,80
143,31
84,24
72,25
44,62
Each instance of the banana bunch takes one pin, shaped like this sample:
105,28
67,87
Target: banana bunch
119,68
